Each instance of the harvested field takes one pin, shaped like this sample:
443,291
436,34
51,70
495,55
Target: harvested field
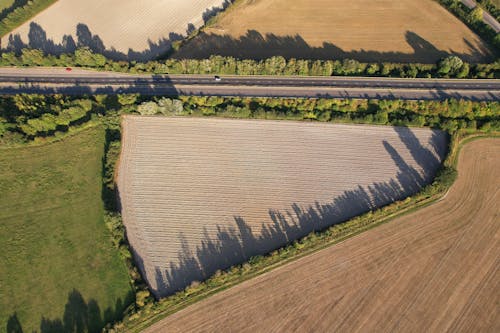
435,270
203,194
366,30
119,29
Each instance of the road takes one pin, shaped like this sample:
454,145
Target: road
57,80
487,17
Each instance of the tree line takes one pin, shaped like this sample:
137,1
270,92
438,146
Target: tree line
473,18
448,67
25,117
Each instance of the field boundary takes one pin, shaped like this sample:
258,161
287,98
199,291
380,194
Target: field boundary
20,15
312,243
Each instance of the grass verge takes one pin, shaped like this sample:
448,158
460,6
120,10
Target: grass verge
58,265
222,280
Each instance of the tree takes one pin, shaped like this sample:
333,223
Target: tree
450,66
148,108
127,99
476,14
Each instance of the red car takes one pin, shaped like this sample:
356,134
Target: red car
69,69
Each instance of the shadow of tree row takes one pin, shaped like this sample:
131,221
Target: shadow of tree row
254,45
79,317
237,244
37,39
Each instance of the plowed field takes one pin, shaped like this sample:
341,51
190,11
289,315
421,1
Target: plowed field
203,194
138,29
435,270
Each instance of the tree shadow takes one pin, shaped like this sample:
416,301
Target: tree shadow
79,317
212,12
13,324
237,243
254,45
37,39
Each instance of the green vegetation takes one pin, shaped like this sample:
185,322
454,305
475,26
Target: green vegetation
59,269
449,115
278,65
28,118
474,20
492,6
19,12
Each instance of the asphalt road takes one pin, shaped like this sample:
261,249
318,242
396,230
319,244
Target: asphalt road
487,17
54,80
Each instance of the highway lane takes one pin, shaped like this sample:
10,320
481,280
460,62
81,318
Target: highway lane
50,80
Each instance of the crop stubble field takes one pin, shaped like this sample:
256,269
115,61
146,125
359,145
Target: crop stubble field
142,26
433,270
366,30
203,194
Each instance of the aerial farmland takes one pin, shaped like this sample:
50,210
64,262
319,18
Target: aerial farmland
365,30
134,29
432,270
204,194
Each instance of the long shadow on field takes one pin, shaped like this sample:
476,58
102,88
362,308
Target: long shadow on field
239,243
254,45
37,39
79,316
13,324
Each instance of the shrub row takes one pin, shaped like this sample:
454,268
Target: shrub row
449,67
449,115
20,12
24,117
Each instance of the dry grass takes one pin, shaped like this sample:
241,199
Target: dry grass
203,194
434,270
143,26
367,30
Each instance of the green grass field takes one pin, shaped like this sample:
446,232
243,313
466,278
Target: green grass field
58,268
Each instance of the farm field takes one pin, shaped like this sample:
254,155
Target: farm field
433,270
203,194
385,30
58,264
133,29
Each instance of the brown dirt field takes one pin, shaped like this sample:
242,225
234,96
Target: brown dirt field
201,194
434,270
366,30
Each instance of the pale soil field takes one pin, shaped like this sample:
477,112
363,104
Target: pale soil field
144,26
201,194
366,30
435,270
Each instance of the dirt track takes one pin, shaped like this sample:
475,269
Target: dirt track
366,30
434,270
